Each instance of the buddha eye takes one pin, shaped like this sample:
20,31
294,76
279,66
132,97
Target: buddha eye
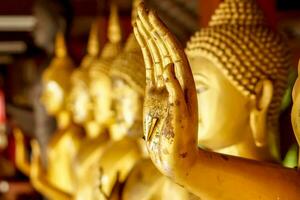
201,89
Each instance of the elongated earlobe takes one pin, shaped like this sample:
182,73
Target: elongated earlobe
259,112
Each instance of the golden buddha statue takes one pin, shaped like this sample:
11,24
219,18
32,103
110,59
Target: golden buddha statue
99,87
90,103
79,99
239,60
126,73
66,140
77,103
124,150
125,159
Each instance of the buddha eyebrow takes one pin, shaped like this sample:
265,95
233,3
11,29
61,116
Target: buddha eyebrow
200,76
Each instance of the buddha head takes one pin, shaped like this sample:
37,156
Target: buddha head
128,86
128,83
56,78
100,85
79,100
296,108
240,69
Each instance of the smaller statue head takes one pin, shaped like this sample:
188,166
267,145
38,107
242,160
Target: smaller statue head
240,68
100,91
79,100
128,77
56,78
99,78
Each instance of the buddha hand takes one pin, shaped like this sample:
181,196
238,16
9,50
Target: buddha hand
21,155
170,109
35,169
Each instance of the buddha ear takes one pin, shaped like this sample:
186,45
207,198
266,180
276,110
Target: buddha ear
259,112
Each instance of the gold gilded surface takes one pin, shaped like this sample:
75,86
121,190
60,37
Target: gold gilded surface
245,119
79,101
65,142
255,60
99,88
90,103
124,150
128,75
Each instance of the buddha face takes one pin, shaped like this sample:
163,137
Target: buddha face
223,111
100,91
79,102
52,97
128,106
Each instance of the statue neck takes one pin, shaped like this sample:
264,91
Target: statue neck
246,148
63,119
93,129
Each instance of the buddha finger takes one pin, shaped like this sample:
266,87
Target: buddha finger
175,51
160,28
147,57
143,16
144,20
154,53
176,96
166,58
172,45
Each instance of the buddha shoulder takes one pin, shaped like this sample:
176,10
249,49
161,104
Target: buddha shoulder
90,151
73,133
119,151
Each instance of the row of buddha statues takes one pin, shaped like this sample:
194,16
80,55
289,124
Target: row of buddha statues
150,120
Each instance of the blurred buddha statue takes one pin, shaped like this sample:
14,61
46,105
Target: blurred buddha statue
125,161
90,103
124,150
65,142
51,17
79,100
240,71
101,117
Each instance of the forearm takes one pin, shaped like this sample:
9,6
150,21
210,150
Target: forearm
215,176
23,166
21,162
48,190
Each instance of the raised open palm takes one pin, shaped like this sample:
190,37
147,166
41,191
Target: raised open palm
170,108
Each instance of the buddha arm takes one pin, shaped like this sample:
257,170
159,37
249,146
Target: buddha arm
171,129
48,190
20,155
116,163
216,176
39,180
89,152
